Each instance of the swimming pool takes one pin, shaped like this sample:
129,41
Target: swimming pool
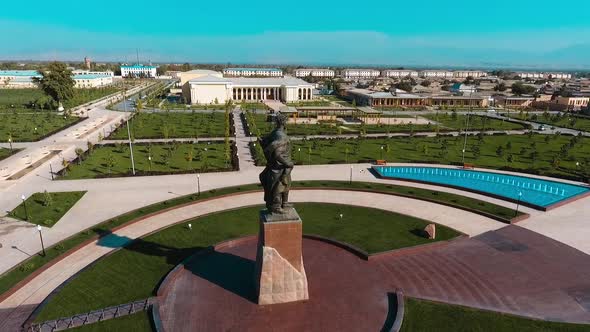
536,192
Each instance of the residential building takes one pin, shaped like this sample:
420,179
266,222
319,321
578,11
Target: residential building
92,81
360,73
90,72
255,72
196,73
573,103
138,70
458,101
463,89
18,78
541,75
561,76
399,73
437,74
211,89
469,73
314,72
396,98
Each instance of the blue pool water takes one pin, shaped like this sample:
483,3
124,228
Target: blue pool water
534,191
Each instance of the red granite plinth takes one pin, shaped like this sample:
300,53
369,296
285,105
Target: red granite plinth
280,275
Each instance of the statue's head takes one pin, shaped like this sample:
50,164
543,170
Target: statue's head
281,119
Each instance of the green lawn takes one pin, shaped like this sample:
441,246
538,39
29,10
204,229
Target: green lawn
166,158
21,126
134,272
138,322
549,159
46,208
9,279
5,153
174,125
310,103
422,316
22,99
253,106
476,122
565,120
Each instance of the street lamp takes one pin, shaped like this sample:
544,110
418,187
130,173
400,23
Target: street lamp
199,184
518,202
41,238
299,153
51,171
350,181
10,141
150,161
24,198
381,153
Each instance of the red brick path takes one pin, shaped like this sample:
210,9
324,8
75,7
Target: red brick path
510,270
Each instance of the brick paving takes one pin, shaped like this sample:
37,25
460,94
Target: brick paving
509,270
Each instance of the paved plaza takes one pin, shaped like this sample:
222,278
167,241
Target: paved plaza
539,241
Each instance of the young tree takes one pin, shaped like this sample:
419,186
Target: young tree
189,158
56,82
476,151
47,199
66,165
79,153
110,162
500,151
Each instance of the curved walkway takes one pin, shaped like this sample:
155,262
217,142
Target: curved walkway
16,308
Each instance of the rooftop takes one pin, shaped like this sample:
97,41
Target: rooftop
24,73
253,69
88,76
137,66
379,94
251,81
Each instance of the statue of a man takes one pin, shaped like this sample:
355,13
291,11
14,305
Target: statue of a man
276,177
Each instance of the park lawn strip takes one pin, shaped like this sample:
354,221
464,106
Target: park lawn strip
24,98
5,153
446,317
21,126
139,321
534,153
135,271
476,122
21,271
557,120
166,158
173,125
46,208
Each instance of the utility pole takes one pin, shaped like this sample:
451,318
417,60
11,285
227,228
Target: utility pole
128,132
467,125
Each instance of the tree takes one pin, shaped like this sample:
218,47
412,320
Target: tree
500,87
519,88
509,145
189,158
110,162
476,151
90,146
405,85
79,153
47,199
426,83
56,82
66,165
500,151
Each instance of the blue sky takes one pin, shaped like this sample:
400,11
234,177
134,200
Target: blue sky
473,33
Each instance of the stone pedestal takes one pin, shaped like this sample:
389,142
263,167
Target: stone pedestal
280,275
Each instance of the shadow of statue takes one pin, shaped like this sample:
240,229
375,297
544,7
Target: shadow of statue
232,273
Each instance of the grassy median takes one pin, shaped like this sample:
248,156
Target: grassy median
46,208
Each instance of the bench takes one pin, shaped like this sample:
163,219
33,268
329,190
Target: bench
468,166
380,162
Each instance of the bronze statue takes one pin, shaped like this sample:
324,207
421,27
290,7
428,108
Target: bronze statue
276,177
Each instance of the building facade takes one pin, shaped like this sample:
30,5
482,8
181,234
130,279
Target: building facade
92,81
90,72
138,70
360,73
437,74
469,73
540,75
573,103
314,72
252,72
397,98
513,101
212,89
399,73
458,101
18,78
186,76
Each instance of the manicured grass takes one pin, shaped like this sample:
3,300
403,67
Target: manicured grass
140,321
476,122
166,158
46,209
5,153
253,106
310,103
421,316
548,160
24,98
9,279
21,126
557,120
174,125
134,272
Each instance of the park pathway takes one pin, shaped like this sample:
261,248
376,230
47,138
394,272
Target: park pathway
16,308
242,142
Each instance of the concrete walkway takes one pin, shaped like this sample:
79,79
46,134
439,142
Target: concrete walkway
21,303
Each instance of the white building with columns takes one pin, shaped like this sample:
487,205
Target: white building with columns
210,89
314,72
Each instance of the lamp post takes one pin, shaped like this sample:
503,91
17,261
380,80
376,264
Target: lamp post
299,153
518,203
150,162
199,184
24,198
10,141
41,238
467,125
129,133
51,171
350,181
381,153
